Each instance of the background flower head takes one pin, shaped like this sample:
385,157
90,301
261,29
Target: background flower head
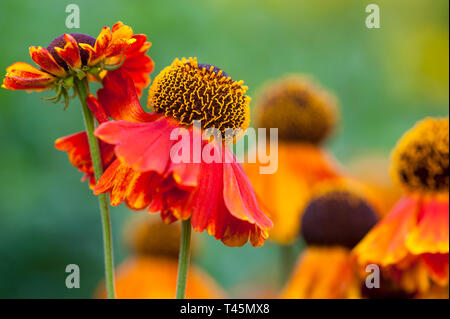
415,234
305,115
334,221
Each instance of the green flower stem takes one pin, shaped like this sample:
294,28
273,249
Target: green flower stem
183,259
82,89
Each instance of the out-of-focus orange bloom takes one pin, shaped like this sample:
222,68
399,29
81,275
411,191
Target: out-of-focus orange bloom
150,272
413,238
216,196
156,278
79,55
305,116
324,273
332,224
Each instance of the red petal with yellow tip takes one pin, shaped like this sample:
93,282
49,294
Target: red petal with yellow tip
70,53
22,76
77,148
431,235
385,243
120,41
119,180
141,189
46,61
97,53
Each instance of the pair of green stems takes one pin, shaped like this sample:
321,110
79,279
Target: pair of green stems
82,88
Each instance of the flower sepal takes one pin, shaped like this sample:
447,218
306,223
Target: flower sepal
62,91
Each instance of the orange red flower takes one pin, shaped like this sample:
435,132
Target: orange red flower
80,55
415,234
216,196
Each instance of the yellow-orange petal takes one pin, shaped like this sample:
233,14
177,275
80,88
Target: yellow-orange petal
323,273
119,179
46,61
431,235
22,76
70,53
120,41
385,243
97,53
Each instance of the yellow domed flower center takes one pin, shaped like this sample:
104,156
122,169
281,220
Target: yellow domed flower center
188,91
300,110
420,160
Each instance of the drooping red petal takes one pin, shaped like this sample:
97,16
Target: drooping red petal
431,235
46,61
120,100
77,148
212,207
22,76
239,195
70,53
97,109
137,63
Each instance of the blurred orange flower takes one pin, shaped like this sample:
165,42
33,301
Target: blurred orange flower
414,237
333,223
150,272
305,116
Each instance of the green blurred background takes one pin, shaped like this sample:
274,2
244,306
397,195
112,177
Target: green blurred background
386,79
